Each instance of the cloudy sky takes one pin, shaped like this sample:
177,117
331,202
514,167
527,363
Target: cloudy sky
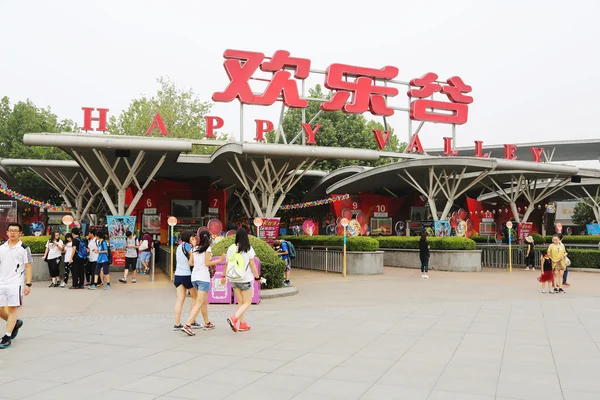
533,65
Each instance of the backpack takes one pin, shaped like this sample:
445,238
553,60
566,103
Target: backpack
81,249
108,253
291,250
236,271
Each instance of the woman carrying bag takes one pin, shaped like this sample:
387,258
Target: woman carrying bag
54,248
241,271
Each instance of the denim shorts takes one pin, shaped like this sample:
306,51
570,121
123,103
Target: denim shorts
145,256
288,264
201,285
243,286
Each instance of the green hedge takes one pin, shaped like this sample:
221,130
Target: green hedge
436,243
37,244
584,258
272,267
359,243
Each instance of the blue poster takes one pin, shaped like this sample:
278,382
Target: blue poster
593,229
442,228
117,226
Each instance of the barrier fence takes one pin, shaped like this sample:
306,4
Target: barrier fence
496,256
319,258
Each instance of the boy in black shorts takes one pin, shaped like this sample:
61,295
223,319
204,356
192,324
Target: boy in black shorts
131,255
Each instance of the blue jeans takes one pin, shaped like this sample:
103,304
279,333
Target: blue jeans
425,265
566,273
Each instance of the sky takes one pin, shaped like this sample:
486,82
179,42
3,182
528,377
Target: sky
533,65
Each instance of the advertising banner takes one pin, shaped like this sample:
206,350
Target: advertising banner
151,224
8,214
525,229
269,230
442,228
117,226
593,229
428,226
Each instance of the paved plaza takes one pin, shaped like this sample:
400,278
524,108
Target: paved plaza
469,336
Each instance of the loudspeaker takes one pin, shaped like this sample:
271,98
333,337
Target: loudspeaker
122,153
576,179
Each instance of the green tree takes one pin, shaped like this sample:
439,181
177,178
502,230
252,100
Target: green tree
182,112
583,214
338,130
24,117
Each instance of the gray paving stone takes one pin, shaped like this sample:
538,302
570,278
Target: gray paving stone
446,395
332,388
23,388
394,392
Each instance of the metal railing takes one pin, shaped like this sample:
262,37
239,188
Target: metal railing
497,256
319,258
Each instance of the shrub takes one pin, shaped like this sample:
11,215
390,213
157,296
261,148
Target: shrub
272,267
537,238
37,244
578,239
358,243
436,243
584,258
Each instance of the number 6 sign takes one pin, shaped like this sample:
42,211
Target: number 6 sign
148,203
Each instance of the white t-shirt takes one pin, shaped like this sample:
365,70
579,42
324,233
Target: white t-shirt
54,250
200,272
182,262
249,277
68,251
131,252
12,264
92,245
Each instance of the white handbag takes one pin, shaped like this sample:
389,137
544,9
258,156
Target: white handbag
567,262
144,245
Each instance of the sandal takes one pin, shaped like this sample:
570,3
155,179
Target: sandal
208,326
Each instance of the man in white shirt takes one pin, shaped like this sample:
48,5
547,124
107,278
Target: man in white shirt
15,280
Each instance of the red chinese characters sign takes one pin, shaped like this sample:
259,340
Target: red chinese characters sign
357,89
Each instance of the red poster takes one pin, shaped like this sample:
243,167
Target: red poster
269,230
525,229
376,206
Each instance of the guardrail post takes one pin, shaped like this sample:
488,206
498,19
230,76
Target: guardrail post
325,259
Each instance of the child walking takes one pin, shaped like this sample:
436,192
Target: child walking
547,275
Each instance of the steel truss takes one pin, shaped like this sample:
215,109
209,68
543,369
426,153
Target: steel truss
121,186
75,191
528,187
591,201
449,183
265,185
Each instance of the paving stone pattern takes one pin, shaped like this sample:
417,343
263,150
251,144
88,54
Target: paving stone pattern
426,340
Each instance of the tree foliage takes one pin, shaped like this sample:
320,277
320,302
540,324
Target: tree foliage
19,119
182,112
338,130
583,214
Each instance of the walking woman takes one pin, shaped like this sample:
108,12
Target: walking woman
54,248
557,254
68,256
201,277
102,264
183,275
242,287
424,255
530,253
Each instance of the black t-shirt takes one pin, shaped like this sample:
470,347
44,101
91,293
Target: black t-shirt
547,264
530,249
423,248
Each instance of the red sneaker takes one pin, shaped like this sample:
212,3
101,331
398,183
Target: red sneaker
232,321
243,327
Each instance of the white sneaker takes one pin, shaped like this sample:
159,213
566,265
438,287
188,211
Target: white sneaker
426,276
422,276
62,284
533,269
543,291
527,269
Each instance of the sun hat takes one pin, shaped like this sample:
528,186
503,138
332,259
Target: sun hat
529,239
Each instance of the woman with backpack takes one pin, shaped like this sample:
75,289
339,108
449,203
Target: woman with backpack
102,265
183,276
202,273
241,271
54,248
